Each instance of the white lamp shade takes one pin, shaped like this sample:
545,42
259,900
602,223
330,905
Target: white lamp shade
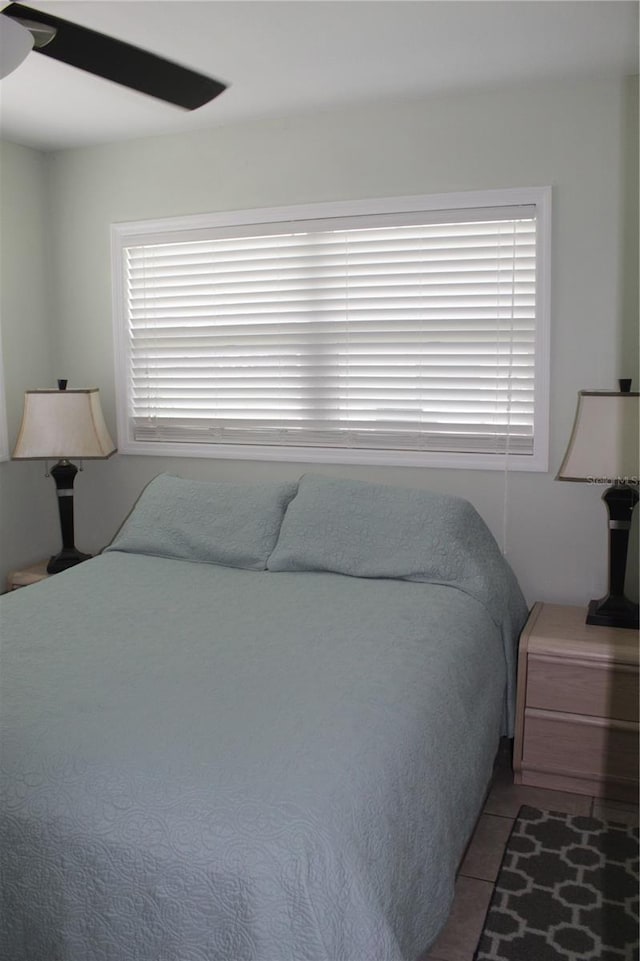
63,424
603,448
15,44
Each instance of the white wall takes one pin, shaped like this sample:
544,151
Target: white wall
579,137
28,509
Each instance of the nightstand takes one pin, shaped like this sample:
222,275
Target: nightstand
577,705
28,575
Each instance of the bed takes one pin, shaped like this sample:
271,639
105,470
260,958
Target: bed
258,727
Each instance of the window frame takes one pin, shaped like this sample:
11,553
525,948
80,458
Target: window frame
4,432
166,229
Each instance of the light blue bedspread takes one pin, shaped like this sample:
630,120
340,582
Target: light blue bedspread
202,763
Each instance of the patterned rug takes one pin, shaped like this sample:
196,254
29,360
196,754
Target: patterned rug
567,891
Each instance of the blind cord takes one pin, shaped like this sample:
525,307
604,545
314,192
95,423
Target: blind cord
507,451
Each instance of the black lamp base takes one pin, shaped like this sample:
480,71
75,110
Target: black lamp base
64,473
614,612
65,559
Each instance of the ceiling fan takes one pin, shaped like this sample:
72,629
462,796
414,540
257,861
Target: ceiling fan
23,29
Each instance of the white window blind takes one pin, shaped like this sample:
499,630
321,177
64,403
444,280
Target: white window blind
411,331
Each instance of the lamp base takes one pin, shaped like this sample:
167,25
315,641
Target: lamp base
612,611
65,559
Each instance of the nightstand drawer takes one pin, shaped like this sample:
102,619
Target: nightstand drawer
580,747
583,687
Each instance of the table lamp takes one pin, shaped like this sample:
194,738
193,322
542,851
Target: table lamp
603,449
63,424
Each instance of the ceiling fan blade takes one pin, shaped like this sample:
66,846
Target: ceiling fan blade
120,62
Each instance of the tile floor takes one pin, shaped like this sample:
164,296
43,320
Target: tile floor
479,869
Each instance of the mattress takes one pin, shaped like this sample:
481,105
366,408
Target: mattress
206,763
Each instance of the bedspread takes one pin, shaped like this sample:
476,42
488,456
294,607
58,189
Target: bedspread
209,764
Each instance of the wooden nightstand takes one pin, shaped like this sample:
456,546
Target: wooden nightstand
28,575
577,705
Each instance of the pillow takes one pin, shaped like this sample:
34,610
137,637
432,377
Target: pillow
235,525
373,530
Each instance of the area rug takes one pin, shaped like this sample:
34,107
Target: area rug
567,890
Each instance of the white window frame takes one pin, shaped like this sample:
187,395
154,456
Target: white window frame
4,433
165,230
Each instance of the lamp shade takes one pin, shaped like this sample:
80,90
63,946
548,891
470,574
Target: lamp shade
15,44
603,448
63,424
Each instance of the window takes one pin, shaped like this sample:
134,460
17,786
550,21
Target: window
407,331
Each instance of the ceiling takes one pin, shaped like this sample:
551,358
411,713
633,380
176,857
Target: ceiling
283,57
